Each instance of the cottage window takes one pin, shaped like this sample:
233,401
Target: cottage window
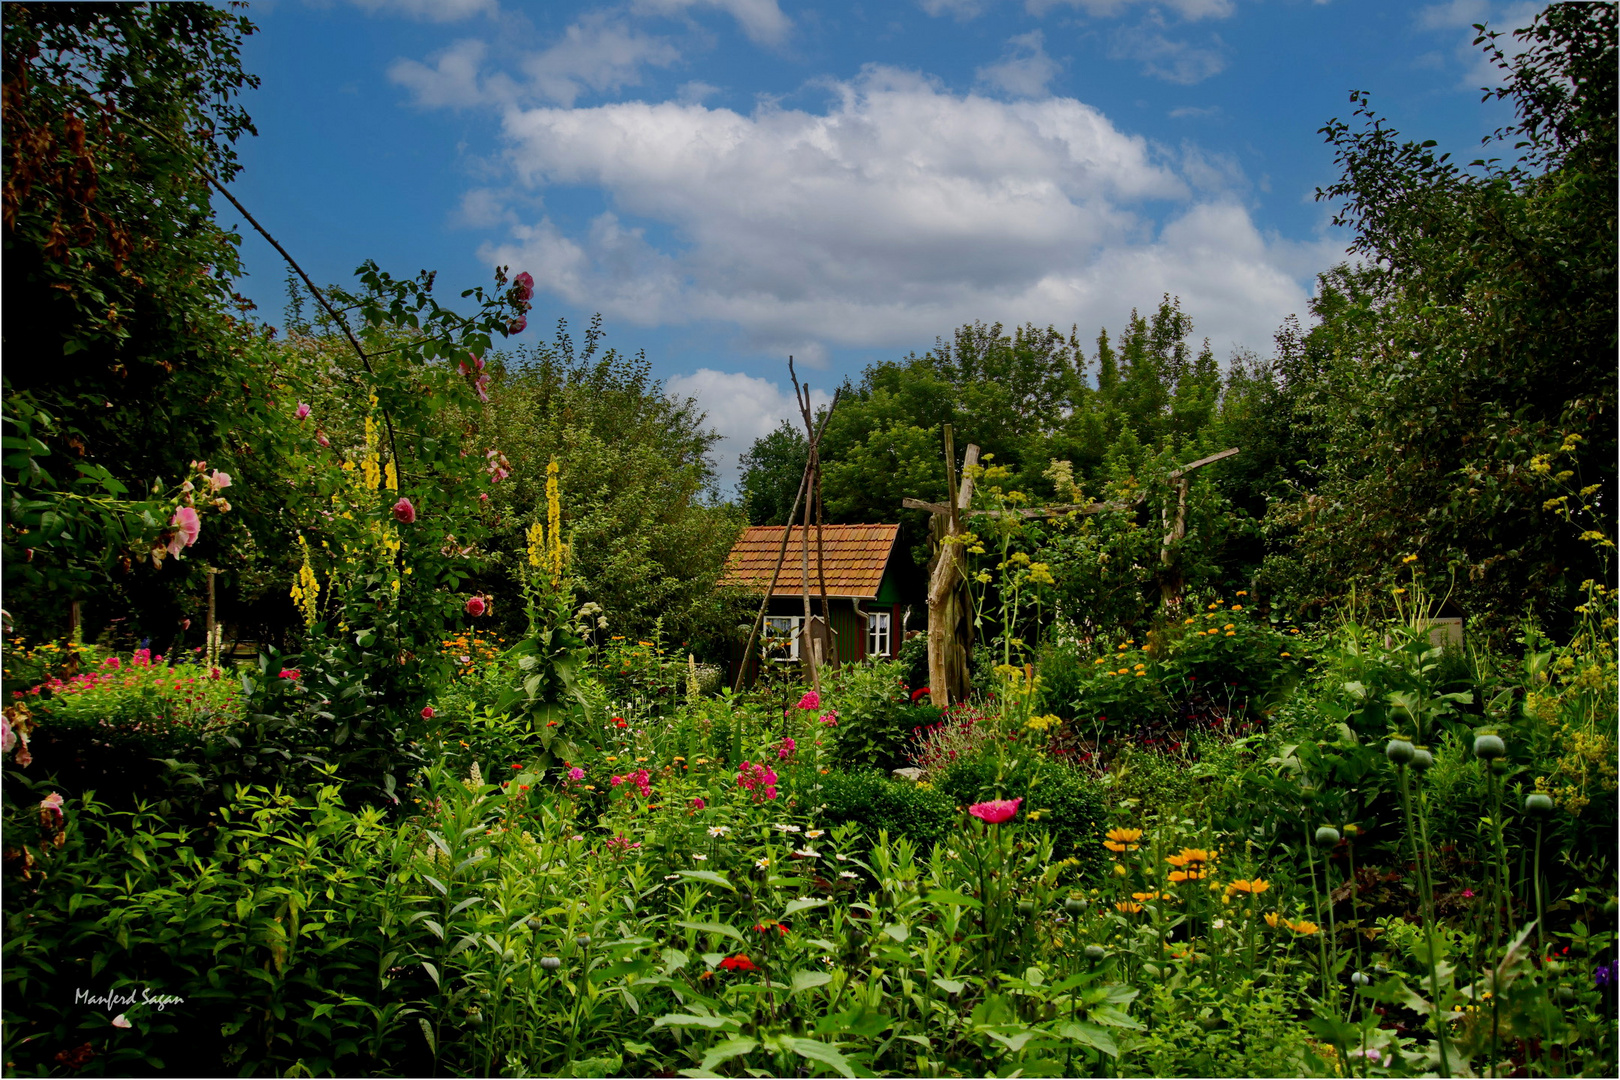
879,631
780,640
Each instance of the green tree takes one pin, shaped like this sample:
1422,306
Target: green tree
1463,378
771,472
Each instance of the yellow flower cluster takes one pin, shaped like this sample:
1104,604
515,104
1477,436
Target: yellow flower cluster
1120,840
554,519
306,588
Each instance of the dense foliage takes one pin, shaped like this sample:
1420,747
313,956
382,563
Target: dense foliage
476,805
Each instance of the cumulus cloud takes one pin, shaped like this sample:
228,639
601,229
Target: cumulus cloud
761,20
598,53
429,10
1024,70
898,212
452,80
741,408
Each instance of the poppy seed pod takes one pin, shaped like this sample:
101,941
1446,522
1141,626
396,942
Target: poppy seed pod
583,940
1539,804
1361,978
1327,836
1422,760
1026,907
1489,747
1074,904
1096,952
550,963
1399,752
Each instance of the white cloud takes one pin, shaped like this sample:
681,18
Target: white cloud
1195,112
483,208
597,53
741,408
961,10
1458,17
1166,58
1024,70
900,211
1191,10
451,83
761,20
429,10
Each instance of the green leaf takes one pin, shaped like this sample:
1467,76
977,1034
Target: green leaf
710,877
713,1023
945,896
724,1051
825,1053
803,903
809,980
1089,1035
724,929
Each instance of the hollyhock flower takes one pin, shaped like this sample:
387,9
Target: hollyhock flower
995,811
320,437
189,526
476,606
302,411
427,712
811,700
524,285
404,512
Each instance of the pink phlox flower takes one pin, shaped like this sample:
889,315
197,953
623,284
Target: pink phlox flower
698,804
290,673
302,411
404,512
829,718
576,773
995,811
787,748
811,700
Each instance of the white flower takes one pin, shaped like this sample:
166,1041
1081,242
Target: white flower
949,854
811,834
807,853
718,830
701,858
788,828
120,1021
840,858
1220,924
848,873
762,863
672,877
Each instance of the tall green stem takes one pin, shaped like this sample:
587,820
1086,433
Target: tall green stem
1428,922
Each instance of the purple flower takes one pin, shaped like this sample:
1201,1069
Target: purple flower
1604,977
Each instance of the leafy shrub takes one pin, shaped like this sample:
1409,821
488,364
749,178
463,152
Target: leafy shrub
1070,806
876,718
922,815
1224,645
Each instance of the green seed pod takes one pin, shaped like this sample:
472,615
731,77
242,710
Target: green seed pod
1538,804
533,923
1422,761
1489,747
583,940
1361,978
1095,953
1026,907
1074,904
1399,752
1327,836
550,963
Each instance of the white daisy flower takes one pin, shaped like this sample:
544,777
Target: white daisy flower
811,834
807,853
788,828
762,863
848,873
718,830
701,858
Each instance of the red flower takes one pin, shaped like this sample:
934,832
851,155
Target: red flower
427,712
404,512
738,963
290,673
918,695
476,606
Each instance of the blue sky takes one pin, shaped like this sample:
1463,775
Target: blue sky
732,181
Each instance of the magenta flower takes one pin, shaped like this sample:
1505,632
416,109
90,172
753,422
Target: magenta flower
787,748
811,700
524,285
698,804
8,738
482,386
427,712
576,773
302,410
290,673
995,811
476,606
189,525
404,512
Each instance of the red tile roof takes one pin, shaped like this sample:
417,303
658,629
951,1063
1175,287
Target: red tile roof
857,556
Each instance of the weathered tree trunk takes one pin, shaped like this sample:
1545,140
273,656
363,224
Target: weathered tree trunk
947,657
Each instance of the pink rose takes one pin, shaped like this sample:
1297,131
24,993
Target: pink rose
524,285
404,512
302,410
518,325
219,481
320,437
482,386
995,811
427,712
476,606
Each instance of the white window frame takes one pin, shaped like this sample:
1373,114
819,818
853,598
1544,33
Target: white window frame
773,628
879,633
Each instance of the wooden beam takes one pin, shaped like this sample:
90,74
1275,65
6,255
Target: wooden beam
1177,474
1043,511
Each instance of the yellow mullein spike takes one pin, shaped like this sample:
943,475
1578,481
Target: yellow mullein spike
536,544
306,588
554,520
391,476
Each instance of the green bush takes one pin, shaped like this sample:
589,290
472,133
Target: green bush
1070,806
922,815
876,718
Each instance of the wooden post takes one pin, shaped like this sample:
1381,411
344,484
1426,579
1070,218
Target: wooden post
947,660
